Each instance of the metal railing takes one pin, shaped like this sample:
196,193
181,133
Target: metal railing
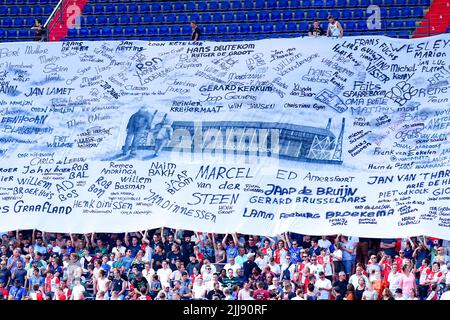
59,8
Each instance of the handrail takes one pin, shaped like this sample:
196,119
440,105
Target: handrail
57,7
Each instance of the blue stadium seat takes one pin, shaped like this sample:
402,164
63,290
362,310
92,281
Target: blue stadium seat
175,30
25,10
335,13
171,17
307,4
299,15
397,24
213,6
186,29
84,32
182,18
144,8
288,15
303,26
413,2
136,19
256,27
113,20
102,20
330,3
319,3
350,26
272,4
88,9
410,23
148,19
404,34
121,8
99,8
205,17
240,16
24,33
394,13
156,7
260,4
264,16
210,29
194,17
282,4
361,25
110,8
358,13
91,20
3,10
29,21
191,6
268,27
151,30
124,19
18,22
365,3
225,5
275,15
244,28
291,26
248,4
222,29
179,7
341,3
280,27
159,18
323,14
14,10
227,17
72,33
129,31
405,12
346,14
106,31
218,16
133,8
353,3
295,4
48,10
310,14
94,31
252,16
418,12
168,6
202,6
233,29
236,5
117,31
12,33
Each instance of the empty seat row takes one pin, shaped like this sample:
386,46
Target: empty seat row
8,22
27,2
25,10
99,7
16,34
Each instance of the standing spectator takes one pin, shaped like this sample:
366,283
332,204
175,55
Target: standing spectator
394,278
408,281
250,264
5,274
17,292
316,30
260,293
220,255
324,286
195,36
334,28
280,253
294,249
360,288
40,32
342,284
232,247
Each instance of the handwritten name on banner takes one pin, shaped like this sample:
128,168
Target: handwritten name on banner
317,136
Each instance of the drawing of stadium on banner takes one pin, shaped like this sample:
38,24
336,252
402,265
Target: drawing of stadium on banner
150,132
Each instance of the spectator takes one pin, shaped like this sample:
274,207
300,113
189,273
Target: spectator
40,32
334,28
407,281
324,286
17,291
316,30
195,36
387,294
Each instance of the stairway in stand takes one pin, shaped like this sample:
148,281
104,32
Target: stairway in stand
436,20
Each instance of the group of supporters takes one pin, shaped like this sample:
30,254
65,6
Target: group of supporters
167,264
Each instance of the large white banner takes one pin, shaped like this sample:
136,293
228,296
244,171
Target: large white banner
313,135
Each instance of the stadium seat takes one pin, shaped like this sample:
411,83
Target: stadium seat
202,6
268,27
113,19
280,27
222,29
186,29
310,14
319,3
227,17
205,17
159,18
179,6
260,4
110,8
156,7
106,31
168,7
353,3
48,10
129,31
413,2
236,5
330,3
25,10
350,26
248,4
218,16
264,16
136,19
194,17
94,31
358,13
307,4
210,29
405,12
346,14
150,30
99,9
291,27
283,4
272,4
288,15
365,3
404,34
124,19
171,17
191,6
182,18
84,32
133,8
213,6
72,33
14,10
12,33
275,15
233,29
225,5
252,16
295,4
244,28
299,15
24,33
144,7
336,13
410,23
418,12
18,22
117,31
361,25
256,27
323,14
303,26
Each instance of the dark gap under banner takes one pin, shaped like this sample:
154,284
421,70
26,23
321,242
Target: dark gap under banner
312,135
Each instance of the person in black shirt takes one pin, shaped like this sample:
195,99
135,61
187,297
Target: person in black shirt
341,284
316,30
39,30
195,31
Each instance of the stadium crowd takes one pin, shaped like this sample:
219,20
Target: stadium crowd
168,264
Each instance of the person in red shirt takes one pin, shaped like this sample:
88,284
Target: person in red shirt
435,276
280,253
260,293
3,292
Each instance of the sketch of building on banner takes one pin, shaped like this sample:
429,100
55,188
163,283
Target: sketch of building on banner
261,139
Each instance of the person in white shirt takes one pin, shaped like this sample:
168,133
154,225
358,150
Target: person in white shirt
324,243
164,274
275,268
119,248
394,278
315,268
232,265
77,290
324,286
299,295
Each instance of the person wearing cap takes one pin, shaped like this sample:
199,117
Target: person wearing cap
249,264
398,295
